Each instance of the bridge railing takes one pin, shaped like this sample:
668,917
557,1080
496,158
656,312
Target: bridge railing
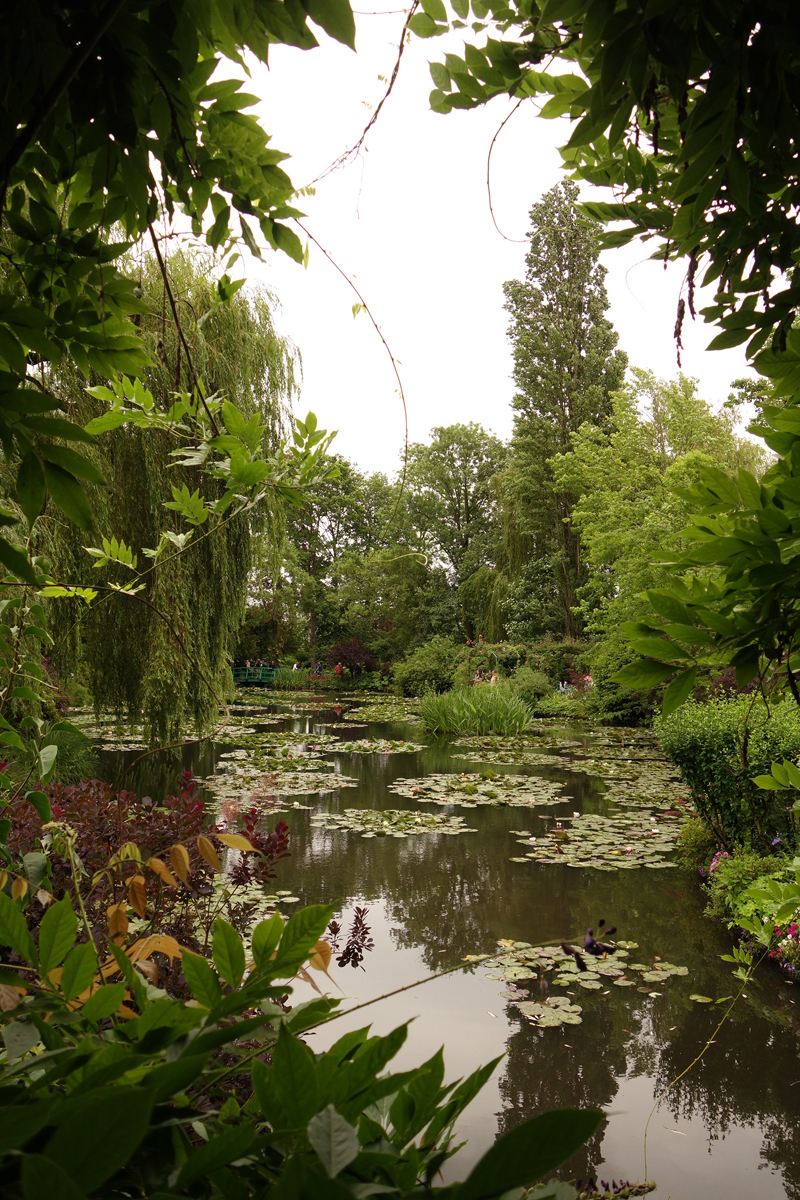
254,674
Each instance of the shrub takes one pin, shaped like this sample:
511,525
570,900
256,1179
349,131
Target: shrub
720,746
572,707
554,659
428,669
696,844
481,709
91,819
352,654
530,685
729,876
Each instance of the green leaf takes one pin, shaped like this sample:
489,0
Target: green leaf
19,1037
77,464
45,1180
334,1139
105,1001
529,1152
228,953
302,931
118,1118
30,486
47,761
646,673
667,605
294,1079
78,970
265,938
424,26
16,562
223,1148
202,982
14,930
41,802
68,494
679,690
335,17
56,934
659,648
435,9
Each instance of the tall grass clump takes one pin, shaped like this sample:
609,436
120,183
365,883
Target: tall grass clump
288,680
475,710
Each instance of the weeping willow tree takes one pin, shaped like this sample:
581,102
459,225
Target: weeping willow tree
128,645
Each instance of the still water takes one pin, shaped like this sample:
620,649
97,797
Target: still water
725,1131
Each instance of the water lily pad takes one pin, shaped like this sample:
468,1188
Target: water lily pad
590,840
472,788
396,709
701,999
391,822
378,746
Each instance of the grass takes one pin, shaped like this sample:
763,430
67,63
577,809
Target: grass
294,681
480,709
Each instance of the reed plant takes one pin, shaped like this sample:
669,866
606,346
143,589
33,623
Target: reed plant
479,709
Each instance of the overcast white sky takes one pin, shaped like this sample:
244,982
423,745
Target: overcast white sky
410,222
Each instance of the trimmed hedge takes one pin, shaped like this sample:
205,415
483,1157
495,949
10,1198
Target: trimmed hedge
720,746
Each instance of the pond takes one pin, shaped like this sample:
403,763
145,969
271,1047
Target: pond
439,891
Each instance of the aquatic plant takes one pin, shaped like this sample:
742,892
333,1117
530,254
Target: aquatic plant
390,822
480,709
609,843
468,790
520,966
378,746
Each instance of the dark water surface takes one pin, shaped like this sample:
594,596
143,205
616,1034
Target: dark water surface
725,1131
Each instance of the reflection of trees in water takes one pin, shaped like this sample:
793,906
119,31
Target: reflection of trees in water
540,1074
730,1085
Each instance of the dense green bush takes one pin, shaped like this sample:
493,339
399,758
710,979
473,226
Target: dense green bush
728,878
480,709
555,659
428,669
572,707
720,746
697,845
530,685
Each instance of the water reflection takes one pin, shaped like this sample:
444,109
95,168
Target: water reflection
726,1129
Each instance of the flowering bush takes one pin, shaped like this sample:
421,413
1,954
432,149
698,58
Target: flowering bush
787,951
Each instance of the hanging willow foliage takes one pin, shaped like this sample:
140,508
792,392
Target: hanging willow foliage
135,666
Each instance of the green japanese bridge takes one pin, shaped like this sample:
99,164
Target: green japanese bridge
254,674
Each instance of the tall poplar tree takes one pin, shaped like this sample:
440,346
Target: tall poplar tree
566,365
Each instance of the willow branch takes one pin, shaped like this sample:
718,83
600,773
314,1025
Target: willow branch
182,336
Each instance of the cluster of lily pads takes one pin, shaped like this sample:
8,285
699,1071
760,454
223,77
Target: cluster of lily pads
263,776
521,965
377,746
394,709
468,790
391,822
610,843
505,750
